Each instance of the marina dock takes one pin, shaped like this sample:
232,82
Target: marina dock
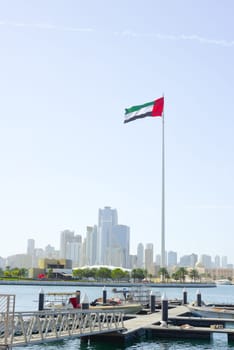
180,325
24,328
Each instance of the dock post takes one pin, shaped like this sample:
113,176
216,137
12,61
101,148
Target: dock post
78,297
152,302
164,309
104,295
185,294
199,302
41,300
85,302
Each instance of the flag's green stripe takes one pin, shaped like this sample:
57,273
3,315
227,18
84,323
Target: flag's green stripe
136,108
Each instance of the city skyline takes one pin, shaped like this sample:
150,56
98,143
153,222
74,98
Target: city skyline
108,243
67,74
173,260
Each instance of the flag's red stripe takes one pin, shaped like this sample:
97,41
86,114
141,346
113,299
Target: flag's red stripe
158,107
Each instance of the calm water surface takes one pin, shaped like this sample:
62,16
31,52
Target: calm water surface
27,296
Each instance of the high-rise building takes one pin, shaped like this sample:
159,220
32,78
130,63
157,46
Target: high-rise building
158,259
65,237
132,261
193,259
140,256
74,252
149,260
91,245
206,261
31,246
224,261
217,261
172,259
120,241
51,253
189,260
107,218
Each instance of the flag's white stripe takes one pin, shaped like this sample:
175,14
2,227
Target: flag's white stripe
139,112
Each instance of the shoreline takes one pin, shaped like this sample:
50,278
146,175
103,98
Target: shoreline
108,284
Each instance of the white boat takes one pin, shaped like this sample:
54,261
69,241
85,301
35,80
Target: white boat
223,282
212,311
125,307
63,300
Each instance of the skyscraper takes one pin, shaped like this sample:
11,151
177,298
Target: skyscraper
120,242
149,260
31,246
140,256
69,242
31,250
172,258
107,218
65,237
91,245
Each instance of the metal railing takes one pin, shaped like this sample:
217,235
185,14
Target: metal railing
7,311
22,328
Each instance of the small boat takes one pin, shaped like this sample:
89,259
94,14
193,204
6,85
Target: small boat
223,282
138,294
59,300
212,311
116,304
55,301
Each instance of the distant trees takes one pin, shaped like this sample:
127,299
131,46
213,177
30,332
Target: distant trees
118,274
101,274
14,272
180,274
138,274
194,275
164,274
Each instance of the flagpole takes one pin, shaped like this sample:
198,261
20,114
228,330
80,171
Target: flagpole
163,263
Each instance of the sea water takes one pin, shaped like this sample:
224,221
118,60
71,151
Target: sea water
27,300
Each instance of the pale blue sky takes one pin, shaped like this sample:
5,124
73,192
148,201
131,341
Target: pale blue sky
68,70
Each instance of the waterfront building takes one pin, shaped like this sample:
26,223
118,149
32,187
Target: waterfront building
51,253
52,267
120,245
132,261
31,246
107,218
140,256
193,260
206,261
19,260
189,260
70,245
217,261
158,259
224,261
149,261
91,245
65,237
172,259
74,252
2,263
31,250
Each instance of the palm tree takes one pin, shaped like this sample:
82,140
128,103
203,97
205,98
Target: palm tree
139,274
163,273
182,272
194,275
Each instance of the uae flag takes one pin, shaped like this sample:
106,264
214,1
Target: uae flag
149,109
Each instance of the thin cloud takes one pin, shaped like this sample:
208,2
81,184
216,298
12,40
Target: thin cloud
216,207
125,33
181,37
44,26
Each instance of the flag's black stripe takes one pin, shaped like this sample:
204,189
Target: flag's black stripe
147,114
